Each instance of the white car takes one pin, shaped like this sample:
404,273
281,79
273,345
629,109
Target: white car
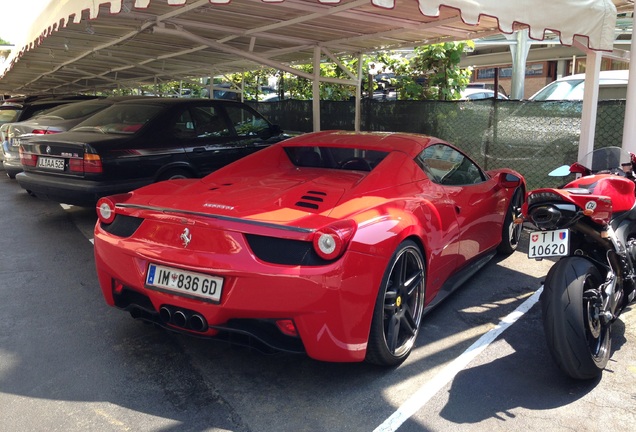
480,93
612,85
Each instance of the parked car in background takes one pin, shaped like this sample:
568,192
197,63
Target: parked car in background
54,120
488,86
137,142
548,125
480,93
333,244
15,111
612,85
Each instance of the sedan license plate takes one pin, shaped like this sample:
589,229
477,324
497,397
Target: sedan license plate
545,244
52,163
185,283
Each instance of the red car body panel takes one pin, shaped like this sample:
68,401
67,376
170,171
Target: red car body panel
268,196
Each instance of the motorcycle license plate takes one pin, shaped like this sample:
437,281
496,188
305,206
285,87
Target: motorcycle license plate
544,244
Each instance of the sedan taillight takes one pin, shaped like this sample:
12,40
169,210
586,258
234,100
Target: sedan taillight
28,159
44,131
90,163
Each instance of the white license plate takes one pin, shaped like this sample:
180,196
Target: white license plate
52,163
545,244
185,283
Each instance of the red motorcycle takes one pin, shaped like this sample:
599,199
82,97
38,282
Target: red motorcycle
591,224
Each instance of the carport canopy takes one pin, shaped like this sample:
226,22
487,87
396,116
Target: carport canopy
93,45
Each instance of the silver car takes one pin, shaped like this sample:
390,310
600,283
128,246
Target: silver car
59,119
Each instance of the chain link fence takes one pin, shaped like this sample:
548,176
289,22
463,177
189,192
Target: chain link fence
528,136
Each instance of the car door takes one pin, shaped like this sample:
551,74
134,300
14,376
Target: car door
252,130
207,136
478,199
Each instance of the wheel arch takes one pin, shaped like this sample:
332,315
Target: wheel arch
173,166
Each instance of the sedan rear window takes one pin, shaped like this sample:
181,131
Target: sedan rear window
119,119
74,110
354,159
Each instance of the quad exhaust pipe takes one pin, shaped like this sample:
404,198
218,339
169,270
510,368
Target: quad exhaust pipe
183,318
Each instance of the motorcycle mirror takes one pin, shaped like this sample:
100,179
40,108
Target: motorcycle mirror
561,171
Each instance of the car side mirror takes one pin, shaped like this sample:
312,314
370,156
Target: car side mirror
269,132
509,181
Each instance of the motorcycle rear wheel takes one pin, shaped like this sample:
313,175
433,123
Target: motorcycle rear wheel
578,340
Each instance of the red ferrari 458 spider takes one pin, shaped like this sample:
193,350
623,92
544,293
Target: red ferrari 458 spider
333,244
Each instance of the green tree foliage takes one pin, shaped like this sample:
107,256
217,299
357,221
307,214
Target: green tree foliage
428,72
433,72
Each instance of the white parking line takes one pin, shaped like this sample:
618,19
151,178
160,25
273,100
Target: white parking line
69,207
428,390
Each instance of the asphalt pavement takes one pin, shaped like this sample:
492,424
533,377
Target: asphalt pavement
68,362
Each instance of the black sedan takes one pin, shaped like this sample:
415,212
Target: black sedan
137,142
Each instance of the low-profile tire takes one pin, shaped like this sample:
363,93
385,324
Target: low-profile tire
175,174
398,308
511,231
578,340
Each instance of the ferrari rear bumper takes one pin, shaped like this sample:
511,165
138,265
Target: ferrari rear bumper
331,306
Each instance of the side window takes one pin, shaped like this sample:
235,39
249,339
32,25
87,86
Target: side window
447,166
184,126
210,122
246,123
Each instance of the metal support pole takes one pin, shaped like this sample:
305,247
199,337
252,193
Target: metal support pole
316,90
590,103
358,95
629,126
519,53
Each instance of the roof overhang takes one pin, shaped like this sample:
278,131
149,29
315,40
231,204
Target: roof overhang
85,45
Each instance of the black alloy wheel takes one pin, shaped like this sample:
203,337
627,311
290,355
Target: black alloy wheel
511,231
399,307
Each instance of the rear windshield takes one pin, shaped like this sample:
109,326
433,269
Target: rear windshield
561,90
119,119
355,159
9,114
74,110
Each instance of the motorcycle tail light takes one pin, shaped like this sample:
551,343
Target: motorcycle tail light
331,241
537,197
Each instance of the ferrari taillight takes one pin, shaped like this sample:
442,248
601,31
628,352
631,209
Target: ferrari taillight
106,210
331,241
